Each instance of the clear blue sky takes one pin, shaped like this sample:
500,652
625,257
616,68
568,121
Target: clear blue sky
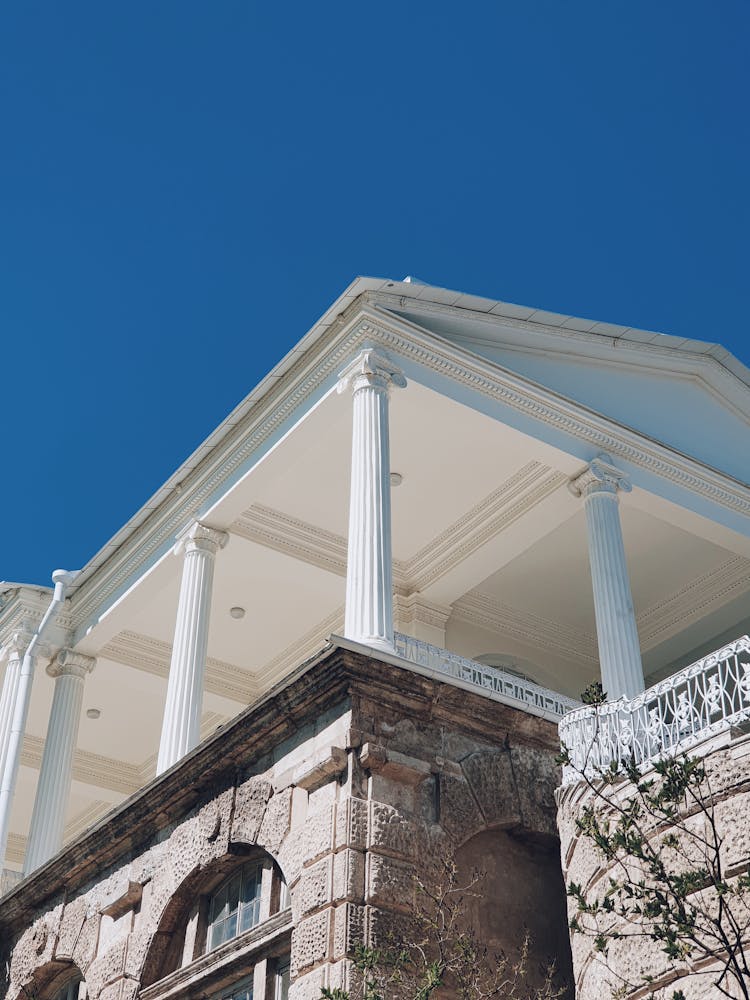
186,186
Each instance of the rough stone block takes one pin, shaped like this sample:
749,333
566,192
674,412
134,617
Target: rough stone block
490,777
389,882
460,816
314,888
390,832
325,765
107,967
249,808
276,821
308,987
348,876
311,941
349,928
351,823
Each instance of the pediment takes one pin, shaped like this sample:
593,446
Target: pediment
685,399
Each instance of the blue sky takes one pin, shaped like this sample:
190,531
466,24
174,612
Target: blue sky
184,188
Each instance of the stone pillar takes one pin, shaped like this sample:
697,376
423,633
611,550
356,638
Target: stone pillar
53,788
13,650
616,631
182,712
369,570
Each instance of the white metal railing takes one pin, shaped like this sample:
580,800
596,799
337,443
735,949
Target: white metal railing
690,706
493,682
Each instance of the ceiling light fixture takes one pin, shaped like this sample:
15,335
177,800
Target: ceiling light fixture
237,612
396,479
92,713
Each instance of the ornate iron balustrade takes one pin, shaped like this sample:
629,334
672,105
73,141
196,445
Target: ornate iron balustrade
677,713
493,682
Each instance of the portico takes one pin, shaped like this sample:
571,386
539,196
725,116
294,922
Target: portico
523,525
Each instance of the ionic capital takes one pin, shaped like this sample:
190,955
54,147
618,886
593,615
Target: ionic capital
370,369
600,476
68,661
15,645
199,537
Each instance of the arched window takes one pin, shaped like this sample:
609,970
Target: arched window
235,906
240,905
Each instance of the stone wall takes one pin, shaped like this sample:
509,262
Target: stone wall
727,763
350,778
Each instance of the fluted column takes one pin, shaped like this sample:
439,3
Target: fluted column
616,630
13,651
369,570
53,788
182,712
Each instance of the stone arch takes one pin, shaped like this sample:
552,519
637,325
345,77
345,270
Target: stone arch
165,951
520,891
46,980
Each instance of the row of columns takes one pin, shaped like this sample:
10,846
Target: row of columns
369,603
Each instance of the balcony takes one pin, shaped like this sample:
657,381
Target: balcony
705,699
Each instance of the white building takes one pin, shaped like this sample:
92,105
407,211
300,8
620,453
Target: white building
502,458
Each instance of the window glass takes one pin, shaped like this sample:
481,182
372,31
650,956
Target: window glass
242,991
235,907
282,981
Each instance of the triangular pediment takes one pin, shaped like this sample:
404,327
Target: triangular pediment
677,392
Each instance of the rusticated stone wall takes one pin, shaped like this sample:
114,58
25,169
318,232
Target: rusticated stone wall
351,777
727,763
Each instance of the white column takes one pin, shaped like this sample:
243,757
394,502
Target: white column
53,788
13,650
616,630
369,570
182,712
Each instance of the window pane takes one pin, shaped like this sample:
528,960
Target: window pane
230,926
282,982
233,894
284,898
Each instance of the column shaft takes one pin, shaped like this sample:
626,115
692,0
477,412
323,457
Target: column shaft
56,774
9,694
182,712
616,630
369,570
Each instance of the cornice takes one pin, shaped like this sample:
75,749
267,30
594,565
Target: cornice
23,611
639,355
713,588
153,656
480,609
89,768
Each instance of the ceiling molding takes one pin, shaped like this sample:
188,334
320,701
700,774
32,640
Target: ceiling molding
153,656
88,768
16,849
496,512
476,608
293,537
712,589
